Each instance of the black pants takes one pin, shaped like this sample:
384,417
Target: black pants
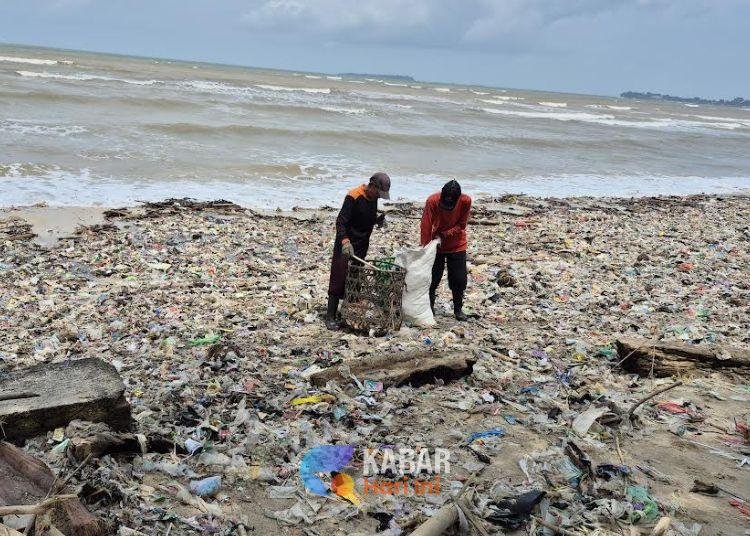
340,267
457,276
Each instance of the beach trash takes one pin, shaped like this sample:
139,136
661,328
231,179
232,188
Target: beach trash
372,299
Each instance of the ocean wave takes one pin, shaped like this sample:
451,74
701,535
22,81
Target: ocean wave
442,89
343,110
554,104
84,77
269,87
65,187
613,107
611,120
312,77
39,129
25,169
30,61
333,77
501,99
480,92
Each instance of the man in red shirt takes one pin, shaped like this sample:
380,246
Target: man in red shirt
445,216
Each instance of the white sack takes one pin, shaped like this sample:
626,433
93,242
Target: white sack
416,298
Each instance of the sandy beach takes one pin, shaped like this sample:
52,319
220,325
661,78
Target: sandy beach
213,317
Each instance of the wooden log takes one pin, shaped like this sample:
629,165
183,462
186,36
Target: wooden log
97,440
26,480
88,389
407,368
639,355
440,521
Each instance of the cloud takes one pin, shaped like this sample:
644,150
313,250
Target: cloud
445,23
494,24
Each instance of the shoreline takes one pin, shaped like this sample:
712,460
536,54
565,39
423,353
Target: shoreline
53,222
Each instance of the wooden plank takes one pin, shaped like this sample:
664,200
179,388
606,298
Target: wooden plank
26,480
86,389
641,355
407,368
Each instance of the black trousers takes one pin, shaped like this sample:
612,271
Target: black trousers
340,267
457,275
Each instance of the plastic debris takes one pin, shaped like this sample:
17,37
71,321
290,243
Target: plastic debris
207,487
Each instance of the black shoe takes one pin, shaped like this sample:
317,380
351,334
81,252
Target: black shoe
332,322
458,307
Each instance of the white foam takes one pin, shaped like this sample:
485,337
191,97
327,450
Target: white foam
480,92
554,104
333,77
501,99
611,120
30,61
59,187
84,77
285,88
396,85
613,107
416,87
313,77
442,89
692,105
344,110
25,128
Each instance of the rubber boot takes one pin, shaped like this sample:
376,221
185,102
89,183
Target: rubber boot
458,308
332,322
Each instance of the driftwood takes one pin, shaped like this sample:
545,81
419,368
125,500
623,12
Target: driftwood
7,531
439,522
97,439
671,358
26,480
88,389
407,368
650,396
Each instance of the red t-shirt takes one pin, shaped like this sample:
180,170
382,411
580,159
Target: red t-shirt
450,225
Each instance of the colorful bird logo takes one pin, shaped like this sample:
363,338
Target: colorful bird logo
329,459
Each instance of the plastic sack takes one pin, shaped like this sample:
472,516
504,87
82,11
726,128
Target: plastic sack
416,297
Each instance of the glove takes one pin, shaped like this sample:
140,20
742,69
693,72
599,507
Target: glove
347,250
380,220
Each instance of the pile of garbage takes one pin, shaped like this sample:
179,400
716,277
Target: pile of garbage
556,421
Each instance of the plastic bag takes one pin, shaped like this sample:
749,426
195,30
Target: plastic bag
416,298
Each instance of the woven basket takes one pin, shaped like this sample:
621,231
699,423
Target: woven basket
372,299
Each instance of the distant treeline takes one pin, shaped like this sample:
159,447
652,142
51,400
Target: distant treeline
739,101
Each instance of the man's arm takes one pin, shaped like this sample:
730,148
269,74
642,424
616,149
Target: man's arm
426,226
344,219
462,221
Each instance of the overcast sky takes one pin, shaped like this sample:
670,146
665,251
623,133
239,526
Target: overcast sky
685,47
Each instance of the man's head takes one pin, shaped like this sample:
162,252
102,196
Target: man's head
449,195
379,186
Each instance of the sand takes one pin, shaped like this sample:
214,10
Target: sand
141,291
52,223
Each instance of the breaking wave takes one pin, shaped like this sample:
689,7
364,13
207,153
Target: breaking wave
30,61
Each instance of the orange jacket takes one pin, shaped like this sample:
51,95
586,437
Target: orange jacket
449,225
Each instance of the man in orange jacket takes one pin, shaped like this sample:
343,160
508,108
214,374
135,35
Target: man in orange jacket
354,224
445,216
